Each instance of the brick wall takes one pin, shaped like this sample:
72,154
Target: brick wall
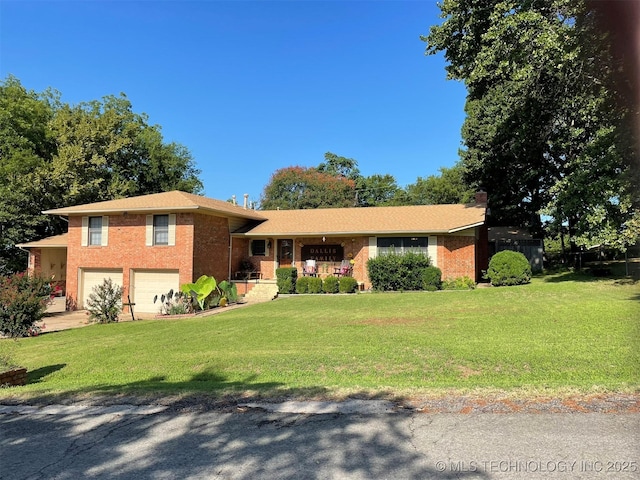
263,264
354,247
127,250
211,247
456,256
14,377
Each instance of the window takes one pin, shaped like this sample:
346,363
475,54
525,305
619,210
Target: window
161,229
95,230
259,248
400,245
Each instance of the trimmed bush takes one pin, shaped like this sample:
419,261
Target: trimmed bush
460,283
23,302
331,284
397,272
302,285
105,302
315,285
348,285
509,268
286,279
431,279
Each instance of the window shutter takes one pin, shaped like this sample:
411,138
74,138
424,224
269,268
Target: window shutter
172,229
149,234
373,247
105,231
85,232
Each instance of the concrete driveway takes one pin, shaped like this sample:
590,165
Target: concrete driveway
56,318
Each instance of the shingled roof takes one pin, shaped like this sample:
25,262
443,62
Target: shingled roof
321,221
173,201
50,242
369,221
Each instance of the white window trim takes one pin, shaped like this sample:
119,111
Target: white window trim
104,235
85,232
149,231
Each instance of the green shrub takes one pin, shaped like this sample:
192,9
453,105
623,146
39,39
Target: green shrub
302,285
509,268
397,272
331,284
315,285
286,279
431,279
460,283
105,302
348,285
23,302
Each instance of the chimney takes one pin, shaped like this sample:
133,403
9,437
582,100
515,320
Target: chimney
481,197
233,199
246,200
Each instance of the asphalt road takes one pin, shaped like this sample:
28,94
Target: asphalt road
353,442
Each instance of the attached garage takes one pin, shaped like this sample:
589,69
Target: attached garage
90,278
146,284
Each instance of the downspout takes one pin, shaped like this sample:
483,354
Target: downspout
230,252
28,256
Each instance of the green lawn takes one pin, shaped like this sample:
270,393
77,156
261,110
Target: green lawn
558,333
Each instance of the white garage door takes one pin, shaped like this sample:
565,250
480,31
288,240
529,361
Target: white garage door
146,284
91,278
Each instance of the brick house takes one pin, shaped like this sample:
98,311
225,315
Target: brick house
153,243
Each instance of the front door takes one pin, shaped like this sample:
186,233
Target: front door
285,253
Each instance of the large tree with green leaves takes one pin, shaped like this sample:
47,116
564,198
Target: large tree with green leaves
447,188
53,155
26,148
547,128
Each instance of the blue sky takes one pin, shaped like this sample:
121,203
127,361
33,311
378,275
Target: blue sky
251,87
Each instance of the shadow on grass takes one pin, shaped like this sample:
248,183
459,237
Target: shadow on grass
572,276
205,390
36,376
198,435
587,276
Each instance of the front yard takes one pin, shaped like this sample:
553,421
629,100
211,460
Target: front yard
563,333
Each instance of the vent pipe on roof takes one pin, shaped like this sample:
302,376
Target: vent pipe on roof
233,199
246,200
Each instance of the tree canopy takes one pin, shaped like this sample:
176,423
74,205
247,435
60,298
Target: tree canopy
337,182
548,131
447,188
53,154
307,187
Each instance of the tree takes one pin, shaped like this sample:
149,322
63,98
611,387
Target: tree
547,129
106,151
377,190
301,188
339,166
53,155
447,188
26,147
